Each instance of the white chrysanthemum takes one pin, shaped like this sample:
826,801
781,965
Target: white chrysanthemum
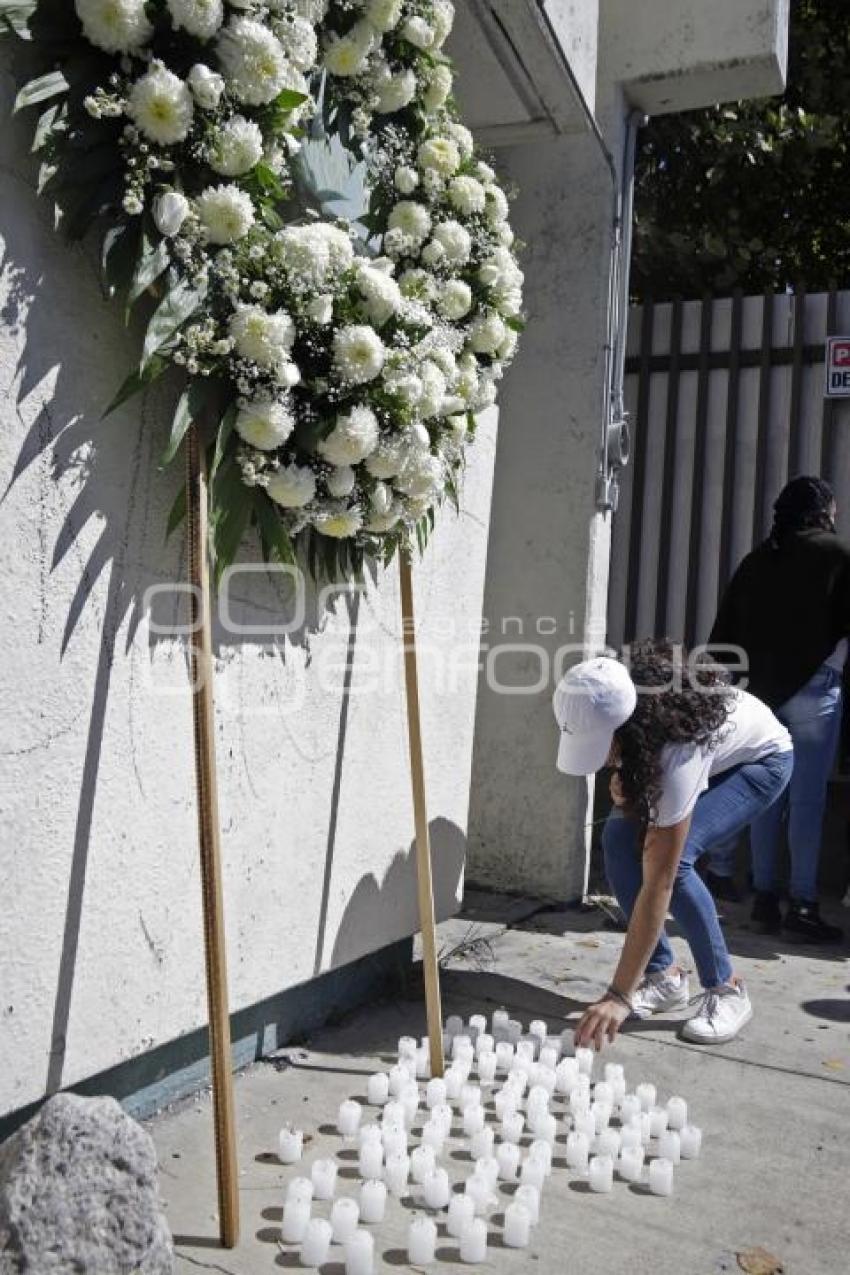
458,427
507,349
298,38
170,210
461,136
498,207
116,26
443,357
406,179
313,11
340,481
485,173
455,240
345,55
434,386
418,32
338,520
380,293
201,18
207,86
403,385
292,486
507,299
421,477
411,219
383,15
487,333
313,254
237,147
440,154
262,337
438,88
418,285
353,437
442,20
265,423
380,523
387,458
321,309
226,213
359,354
254,63
455,299
465,382
467,195
395,92
161,106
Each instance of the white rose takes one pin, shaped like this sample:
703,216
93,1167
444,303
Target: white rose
487,333
170,210
292,486
264,423
455,299
395,92
418,32
161,106
422,477
226,213
381,500
116,26
380,293
353,437
406,179
442,20
207,86
387,458
438,88
321,310
384,15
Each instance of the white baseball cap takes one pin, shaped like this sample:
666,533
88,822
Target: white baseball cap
591,702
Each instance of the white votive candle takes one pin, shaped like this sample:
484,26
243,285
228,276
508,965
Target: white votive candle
630,1138
487,1167
473,1242
409,1098
461,1213
323,1175
461,1045
527,1049
631,1163
300,1189
645,1128
397,1173
646,1095
378,1088
566,1076
454,1025
579,1101
508,1156
513,1126
484,1045
316,1246
487,1068
538,1099
421,1241
601,1112
670,1146
629,1106
433,1136
500,1020
602,1092
529,1197
504,1055
517,1233
395,1140
613,1071
690,1142
454,1084
296,1218
423,1064
477,1025
657,1121
600,1173
444,1117
369,1133
661,1177
360,1254
399,1077
514,1031
370,1163
470,1096
677,1113
480,1192
437,1189
585,1122
539,1029
435,1093
578,1150
542,1152
584,1058
533,1173
549,1056
373,1202
407,1047
290,1145
345,1218
481,1143
423,1162
545,1129
506,1103
618,1089
609,1142
474,1120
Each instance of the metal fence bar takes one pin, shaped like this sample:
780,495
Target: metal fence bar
668,468
795,438
697,481
828,463
639,474
763,418
732,405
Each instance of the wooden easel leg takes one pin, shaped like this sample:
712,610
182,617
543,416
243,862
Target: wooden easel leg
209,844
423,839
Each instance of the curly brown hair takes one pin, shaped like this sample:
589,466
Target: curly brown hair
681,700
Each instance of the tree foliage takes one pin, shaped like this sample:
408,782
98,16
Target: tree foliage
756,194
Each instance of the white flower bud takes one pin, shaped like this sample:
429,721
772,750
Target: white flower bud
170,211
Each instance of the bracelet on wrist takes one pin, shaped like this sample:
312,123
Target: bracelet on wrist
615,994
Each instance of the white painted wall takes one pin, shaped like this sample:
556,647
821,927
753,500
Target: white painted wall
100,946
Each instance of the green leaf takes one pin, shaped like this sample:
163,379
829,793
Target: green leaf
273,534
225,429
152,263
41,89
288,99
47,122
118,256
15,16
136,382
231,505
178,512
170,315
192,405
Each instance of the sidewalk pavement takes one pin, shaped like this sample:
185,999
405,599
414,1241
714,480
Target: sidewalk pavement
773,1105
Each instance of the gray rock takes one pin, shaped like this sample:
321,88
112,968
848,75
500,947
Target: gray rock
79,1194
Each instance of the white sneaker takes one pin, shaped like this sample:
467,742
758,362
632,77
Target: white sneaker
657,993
722,1012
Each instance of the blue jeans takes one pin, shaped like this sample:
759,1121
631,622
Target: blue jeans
813,716
733,800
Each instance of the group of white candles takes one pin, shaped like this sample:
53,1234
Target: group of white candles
536,1068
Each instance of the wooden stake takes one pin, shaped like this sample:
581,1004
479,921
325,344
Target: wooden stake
209,843
423,838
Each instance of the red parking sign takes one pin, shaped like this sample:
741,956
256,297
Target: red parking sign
838,367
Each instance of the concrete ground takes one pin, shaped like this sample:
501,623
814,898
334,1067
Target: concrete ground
774,1106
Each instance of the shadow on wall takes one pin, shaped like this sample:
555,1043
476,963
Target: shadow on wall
58,392
366,911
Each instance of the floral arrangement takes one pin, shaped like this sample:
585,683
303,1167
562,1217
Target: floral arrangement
286,190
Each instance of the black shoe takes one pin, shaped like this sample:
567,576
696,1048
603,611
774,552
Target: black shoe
803,922
766,917
724,888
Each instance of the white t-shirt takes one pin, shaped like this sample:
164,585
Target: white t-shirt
751,733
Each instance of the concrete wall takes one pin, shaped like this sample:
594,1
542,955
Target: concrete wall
100,945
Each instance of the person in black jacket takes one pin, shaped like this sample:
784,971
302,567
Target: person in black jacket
788,607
